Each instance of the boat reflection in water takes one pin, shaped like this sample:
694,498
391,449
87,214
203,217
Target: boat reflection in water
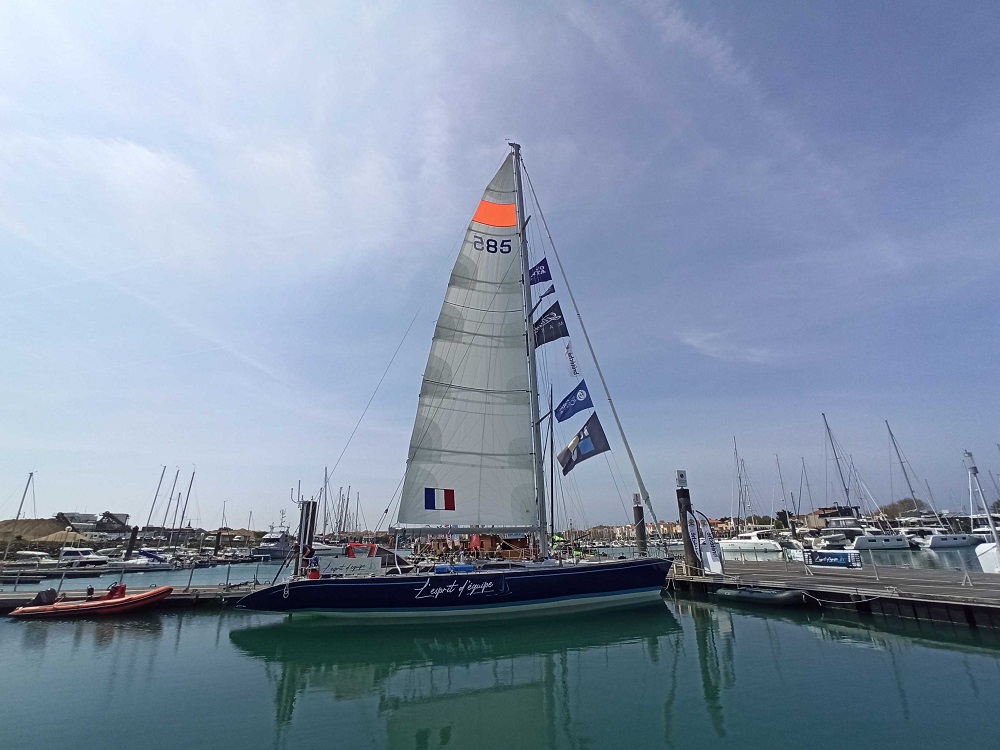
492,686
877,669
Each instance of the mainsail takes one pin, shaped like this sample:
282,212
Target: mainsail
470,460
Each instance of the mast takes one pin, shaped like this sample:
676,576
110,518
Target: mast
597,365
552,466
805,475
791,523
170,498
906,476
529,337
155,496
840,470
326,499
18,516
970,465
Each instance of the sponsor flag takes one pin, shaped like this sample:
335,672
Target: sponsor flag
540,272
575,402
588,443
711,553
573,369
550,326
692,524
438,499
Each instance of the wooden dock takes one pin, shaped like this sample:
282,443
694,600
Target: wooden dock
951,596
180,597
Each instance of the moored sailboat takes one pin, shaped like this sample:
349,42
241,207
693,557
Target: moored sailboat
474,463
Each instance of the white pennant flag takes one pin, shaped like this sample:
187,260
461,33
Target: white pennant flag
710,551
573,369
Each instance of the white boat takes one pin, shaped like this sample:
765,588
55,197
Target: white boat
31,560
988,553
879,541
275,545
139,562
474,463
751,541
932,537
81,557
989,557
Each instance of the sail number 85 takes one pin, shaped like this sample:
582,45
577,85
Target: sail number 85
490,245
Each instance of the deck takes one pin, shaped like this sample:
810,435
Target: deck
947,595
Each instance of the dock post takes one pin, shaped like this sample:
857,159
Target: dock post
130,547
61,579
18,578
229,569
640,525
190,578
691,558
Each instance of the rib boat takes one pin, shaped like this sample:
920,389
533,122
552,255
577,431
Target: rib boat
47,604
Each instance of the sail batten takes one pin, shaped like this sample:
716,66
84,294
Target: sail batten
472,433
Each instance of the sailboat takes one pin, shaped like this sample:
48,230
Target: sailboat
474,463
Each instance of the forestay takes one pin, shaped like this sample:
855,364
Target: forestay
470,458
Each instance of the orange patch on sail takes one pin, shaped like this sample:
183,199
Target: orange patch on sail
496,214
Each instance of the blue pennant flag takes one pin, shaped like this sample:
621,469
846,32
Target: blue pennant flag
577,401
588,442
540,272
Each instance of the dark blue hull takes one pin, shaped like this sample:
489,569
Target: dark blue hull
510,592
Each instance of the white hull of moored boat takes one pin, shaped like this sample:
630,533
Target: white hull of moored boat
989,557
950,541
881,541
749,545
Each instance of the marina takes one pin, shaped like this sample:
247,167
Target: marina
499,376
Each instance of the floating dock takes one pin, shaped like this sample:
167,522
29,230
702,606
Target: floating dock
180,597
951,596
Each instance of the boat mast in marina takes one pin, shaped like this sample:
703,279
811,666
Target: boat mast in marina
149,518
970,465
836,458
20,507
906,476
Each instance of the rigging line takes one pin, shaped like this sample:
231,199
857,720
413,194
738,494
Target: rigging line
614,412
621,498
391,360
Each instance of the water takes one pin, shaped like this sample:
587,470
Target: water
681,674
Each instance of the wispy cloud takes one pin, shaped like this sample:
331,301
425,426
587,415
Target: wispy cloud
722,346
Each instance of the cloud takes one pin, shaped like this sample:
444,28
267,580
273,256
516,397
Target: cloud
719,345
103,202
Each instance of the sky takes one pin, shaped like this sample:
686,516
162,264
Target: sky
218,222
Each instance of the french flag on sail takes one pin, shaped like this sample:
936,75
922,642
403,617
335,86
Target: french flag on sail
438,499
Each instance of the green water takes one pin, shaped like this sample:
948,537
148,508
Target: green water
678,675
